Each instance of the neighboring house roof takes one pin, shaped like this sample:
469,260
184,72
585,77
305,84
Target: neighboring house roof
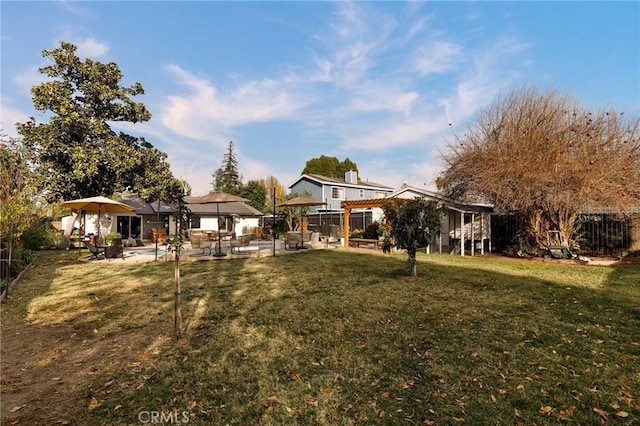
324,180
457,205
226,209
146,208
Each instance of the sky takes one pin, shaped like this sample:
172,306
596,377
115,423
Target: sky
386,84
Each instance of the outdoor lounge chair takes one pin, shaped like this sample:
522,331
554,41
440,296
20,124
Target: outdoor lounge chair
241,241
292,239
115,249
202,243
306,238
96,253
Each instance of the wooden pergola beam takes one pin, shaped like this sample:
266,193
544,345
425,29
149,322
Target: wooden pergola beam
347,205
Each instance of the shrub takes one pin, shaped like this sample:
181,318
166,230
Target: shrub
20,258
373,231
42,234
111,236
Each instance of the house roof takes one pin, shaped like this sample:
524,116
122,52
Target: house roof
457,205
324,180
146,208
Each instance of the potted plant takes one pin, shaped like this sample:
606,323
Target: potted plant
110,237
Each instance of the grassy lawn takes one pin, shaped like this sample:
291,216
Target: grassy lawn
324,337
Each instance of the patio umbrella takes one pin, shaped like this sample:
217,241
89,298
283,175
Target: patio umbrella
216,197
98,205
301,201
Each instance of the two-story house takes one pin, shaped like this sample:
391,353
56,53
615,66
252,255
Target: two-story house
335,190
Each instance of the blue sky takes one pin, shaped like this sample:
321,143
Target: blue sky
377,82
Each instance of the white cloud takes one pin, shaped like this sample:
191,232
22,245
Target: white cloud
91,48
204,108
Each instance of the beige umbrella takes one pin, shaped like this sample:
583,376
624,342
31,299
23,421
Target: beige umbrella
216,197
98,205
301,201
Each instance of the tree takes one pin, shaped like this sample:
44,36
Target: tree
545,158
17,207
227,178
77,154
272,184
256,193
329,166
411,224
175,192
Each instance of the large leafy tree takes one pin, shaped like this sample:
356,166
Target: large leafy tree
545,158
411,224
77,153
227,178
329,166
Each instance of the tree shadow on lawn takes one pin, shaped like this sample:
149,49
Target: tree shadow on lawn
318,337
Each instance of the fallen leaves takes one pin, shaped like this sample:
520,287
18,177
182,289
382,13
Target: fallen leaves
546,410
93,404
603,414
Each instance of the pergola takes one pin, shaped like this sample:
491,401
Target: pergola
347,205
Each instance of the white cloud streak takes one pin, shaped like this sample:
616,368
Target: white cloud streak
203,108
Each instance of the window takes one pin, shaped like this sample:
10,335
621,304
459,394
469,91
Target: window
195,222
361,192
337,193
380,194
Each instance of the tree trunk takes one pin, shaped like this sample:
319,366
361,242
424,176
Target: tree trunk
413,264
177,315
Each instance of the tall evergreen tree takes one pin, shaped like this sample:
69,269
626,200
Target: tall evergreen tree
227,178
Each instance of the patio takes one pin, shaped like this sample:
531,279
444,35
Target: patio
147,253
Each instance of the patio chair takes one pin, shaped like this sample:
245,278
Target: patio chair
306,238
200,243
291,239
206,244
96,252
115,249
238,242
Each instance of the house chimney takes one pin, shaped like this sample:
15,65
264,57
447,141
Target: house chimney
351,177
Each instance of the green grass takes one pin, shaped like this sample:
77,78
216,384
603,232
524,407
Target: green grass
344,337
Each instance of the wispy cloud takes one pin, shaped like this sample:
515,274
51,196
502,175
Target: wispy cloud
356,35
437,57
203,107
8,118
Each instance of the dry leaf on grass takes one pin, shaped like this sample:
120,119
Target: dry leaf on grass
546,410
93,404
603,414
622,414
18,407
275,399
